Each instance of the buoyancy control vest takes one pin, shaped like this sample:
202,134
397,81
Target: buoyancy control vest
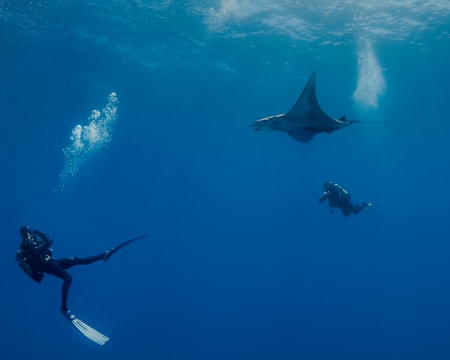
34,251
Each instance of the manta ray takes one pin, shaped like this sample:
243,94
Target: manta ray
306,119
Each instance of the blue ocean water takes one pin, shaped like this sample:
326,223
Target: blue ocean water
242,261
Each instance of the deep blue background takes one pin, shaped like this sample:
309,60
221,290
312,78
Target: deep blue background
242,262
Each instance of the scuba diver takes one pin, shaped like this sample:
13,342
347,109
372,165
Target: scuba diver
35,258
338,197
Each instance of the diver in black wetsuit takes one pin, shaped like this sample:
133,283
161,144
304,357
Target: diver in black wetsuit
35,258
338,197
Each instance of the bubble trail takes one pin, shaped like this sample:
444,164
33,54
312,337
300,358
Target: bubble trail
89,139
371,83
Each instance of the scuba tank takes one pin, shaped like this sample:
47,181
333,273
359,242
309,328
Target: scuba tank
27,269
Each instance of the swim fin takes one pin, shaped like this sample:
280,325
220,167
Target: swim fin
85,329
110,253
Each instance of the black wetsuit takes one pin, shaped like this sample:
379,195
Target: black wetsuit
35,258
57,267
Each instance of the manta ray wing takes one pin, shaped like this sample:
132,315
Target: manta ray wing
302,135
306,116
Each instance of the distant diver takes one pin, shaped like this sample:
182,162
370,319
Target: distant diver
339,198
35,258
306,119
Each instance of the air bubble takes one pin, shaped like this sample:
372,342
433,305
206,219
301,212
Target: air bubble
89,139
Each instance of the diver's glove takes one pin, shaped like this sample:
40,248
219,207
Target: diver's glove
323,197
